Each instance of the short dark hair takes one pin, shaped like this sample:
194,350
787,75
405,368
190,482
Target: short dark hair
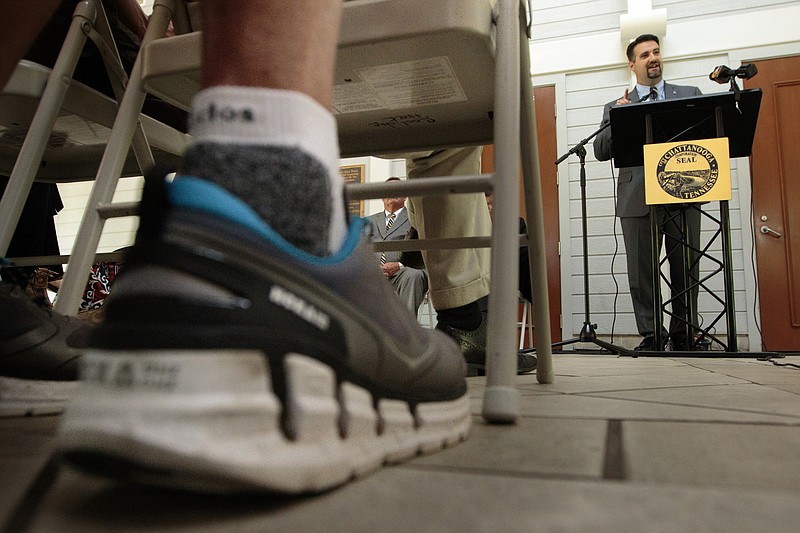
645,37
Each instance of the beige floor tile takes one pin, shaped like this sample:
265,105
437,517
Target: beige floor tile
759,457
542,446
745,398
589,407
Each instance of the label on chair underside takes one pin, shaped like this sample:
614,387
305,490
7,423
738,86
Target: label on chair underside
399,86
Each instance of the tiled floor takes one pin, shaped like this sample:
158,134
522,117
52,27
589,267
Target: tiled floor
614,445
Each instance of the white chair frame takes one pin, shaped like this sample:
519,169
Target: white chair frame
38,97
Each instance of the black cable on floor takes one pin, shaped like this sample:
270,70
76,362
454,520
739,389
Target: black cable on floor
772,360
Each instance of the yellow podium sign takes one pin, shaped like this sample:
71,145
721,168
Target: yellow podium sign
688,171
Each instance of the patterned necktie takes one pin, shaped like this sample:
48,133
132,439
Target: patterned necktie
653,96
389,222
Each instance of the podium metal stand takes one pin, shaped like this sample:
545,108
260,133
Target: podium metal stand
733,114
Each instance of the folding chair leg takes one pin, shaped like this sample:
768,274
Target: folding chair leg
537,255
501,399
122,134
30,155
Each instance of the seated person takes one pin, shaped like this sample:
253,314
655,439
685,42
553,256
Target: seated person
392,224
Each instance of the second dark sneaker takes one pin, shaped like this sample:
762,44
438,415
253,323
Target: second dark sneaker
39,354
473,348
231,360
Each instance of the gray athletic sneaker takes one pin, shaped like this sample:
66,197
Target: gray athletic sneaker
231,360
39,354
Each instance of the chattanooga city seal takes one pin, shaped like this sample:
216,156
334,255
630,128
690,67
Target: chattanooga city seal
687,171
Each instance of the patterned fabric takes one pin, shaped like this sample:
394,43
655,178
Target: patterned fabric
99,286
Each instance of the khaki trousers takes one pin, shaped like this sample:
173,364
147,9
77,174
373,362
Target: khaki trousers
456,277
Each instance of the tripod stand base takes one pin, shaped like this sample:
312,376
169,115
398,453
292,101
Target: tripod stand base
588,335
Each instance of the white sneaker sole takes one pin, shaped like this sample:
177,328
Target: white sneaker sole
210,421
26,397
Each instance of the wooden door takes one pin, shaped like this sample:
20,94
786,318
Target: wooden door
545,104
775,168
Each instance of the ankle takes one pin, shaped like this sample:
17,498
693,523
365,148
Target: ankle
278,152
466,317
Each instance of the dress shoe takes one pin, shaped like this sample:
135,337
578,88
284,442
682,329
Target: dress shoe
679,343
648,344
473,347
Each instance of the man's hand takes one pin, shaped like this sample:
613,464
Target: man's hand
390,269
624,100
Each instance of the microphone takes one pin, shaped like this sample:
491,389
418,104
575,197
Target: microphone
723,74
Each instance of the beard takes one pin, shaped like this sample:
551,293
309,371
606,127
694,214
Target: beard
654,71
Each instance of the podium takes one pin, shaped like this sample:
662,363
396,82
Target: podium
733,115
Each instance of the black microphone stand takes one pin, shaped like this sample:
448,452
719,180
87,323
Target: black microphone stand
588,332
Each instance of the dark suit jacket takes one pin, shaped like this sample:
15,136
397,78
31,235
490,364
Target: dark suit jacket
377,230
630,184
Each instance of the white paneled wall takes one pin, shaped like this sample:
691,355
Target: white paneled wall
680,10
117,233
557,19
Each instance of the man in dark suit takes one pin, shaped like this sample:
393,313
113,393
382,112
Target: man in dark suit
644,60
392,224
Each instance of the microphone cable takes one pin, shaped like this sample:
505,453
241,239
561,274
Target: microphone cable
616,251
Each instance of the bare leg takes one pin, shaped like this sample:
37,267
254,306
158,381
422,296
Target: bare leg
268,68
304,38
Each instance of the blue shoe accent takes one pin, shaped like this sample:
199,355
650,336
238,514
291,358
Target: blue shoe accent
188,192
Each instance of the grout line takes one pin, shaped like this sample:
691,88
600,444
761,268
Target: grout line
668,419
613,458
790,417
